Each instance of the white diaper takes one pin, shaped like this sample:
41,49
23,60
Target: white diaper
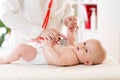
39,59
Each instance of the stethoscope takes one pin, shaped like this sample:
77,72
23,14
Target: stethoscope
46,19
45,22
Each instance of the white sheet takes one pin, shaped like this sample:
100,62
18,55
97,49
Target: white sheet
109,70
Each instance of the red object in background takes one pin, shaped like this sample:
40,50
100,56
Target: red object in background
89,12
87,24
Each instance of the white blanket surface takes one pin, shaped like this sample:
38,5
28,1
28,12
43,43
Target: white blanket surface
109,70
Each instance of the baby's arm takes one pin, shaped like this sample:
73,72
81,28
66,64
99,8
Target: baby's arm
71,37
71,24
57,58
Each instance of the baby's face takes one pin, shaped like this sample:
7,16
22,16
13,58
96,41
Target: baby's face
84,51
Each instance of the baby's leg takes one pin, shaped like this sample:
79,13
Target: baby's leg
25,51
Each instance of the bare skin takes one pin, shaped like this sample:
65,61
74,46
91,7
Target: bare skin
28,53
60,55
84,52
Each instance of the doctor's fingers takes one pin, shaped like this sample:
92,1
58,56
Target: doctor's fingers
56,34
49,36
52,35
51,39
61,35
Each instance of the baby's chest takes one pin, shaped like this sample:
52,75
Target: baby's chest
63,49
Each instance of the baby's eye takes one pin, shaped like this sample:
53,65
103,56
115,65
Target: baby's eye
78,48
84,43
86,50
70,19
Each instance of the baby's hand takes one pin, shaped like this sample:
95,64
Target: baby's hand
71,23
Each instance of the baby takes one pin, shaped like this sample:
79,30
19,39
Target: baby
88,52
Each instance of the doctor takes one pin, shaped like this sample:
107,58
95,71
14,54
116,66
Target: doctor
26,18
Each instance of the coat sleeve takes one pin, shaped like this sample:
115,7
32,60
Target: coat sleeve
10,15
69,11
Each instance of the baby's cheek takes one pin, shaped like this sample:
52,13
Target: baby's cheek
81,52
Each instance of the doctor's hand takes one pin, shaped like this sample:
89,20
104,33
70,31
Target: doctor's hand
51,35
71,23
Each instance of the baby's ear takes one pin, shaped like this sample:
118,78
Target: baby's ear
88,62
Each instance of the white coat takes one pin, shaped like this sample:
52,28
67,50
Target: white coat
25,17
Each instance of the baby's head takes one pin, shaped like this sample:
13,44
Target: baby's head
90,52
